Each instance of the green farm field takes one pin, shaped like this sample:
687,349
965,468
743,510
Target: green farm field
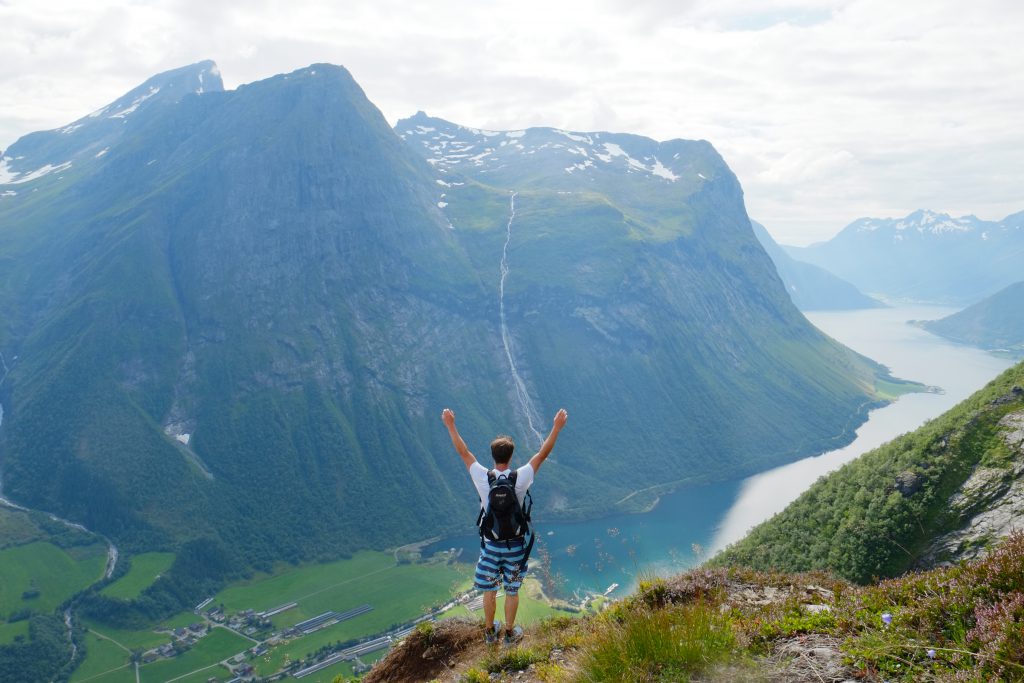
56,573
145,570
205,655
132,640
104,661
398,593
343,669
8,632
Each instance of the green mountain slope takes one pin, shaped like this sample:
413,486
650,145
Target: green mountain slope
943,492
234,317
995,323
812,288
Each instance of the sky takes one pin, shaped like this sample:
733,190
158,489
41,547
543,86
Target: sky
826,110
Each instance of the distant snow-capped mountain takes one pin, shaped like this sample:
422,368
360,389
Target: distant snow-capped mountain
453,147
925,256
85,142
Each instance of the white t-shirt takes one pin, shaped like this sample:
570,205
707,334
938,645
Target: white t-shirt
478,473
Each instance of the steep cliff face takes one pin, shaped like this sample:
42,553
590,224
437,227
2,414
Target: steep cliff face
811,288
988,506
237,315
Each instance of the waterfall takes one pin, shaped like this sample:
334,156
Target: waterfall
522,396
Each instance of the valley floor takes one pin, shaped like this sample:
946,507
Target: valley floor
315,622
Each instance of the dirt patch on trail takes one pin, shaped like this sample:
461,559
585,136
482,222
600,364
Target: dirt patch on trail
428,652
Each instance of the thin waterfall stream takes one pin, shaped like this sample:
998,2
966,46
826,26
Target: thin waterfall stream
522,396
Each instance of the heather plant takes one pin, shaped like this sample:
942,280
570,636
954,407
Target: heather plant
998,635
963,623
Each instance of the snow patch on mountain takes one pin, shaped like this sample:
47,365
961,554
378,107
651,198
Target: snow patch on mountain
663,171
153,90
451,145
11,177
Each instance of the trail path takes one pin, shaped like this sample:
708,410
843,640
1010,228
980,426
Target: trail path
522,396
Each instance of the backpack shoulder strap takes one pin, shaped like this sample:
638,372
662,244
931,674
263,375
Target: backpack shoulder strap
512,476
492,475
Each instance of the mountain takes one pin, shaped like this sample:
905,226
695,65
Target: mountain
995,323
945,492
926,256
811,288
233,317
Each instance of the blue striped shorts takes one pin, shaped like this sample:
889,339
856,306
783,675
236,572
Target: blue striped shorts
499,563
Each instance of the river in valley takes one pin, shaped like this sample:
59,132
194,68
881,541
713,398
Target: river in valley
688,525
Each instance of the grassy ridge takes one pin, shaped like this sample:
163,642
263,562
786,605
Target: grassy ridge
963,623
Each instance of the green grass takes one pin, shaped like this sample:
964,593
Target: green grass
182,620
144,571
532,607
125,674
9,631
309,585
56,573
102,656
889,389
666,644
219,673
218,645
398,594
133,640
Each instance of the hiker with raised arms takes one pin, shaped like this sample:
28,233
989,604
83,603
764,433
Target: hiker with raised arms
504,521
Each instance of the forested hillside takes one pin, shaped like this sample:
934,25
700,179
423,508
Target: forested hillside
995,323
941,493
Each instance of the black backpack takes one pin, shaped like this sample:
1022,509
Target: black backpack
503,518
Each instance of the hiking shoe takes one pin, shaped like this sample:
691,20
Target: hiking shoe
491,634
514,637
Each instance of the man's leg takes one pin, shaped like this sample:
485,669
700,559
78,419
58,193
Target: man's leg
490,607
511,606
512,576
486,580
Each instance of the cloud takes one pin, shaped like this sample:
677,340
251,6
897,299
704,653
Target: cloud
826,109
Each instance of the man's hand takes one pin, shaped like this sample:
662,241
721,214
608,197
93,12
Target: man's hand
448,417
545,449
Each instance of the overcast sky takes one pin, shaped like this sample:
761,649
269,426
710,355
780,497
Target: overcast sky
826,110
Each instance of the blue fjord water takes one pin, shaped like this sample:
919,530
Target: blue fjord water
688,524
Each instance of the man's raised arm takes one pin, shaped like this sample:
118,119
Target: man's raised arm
448,417
536,461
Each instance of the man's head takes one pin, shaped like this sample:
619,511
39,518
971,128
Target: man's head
501,449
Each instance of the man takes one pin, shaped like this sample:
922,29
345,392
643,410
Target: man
502,560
